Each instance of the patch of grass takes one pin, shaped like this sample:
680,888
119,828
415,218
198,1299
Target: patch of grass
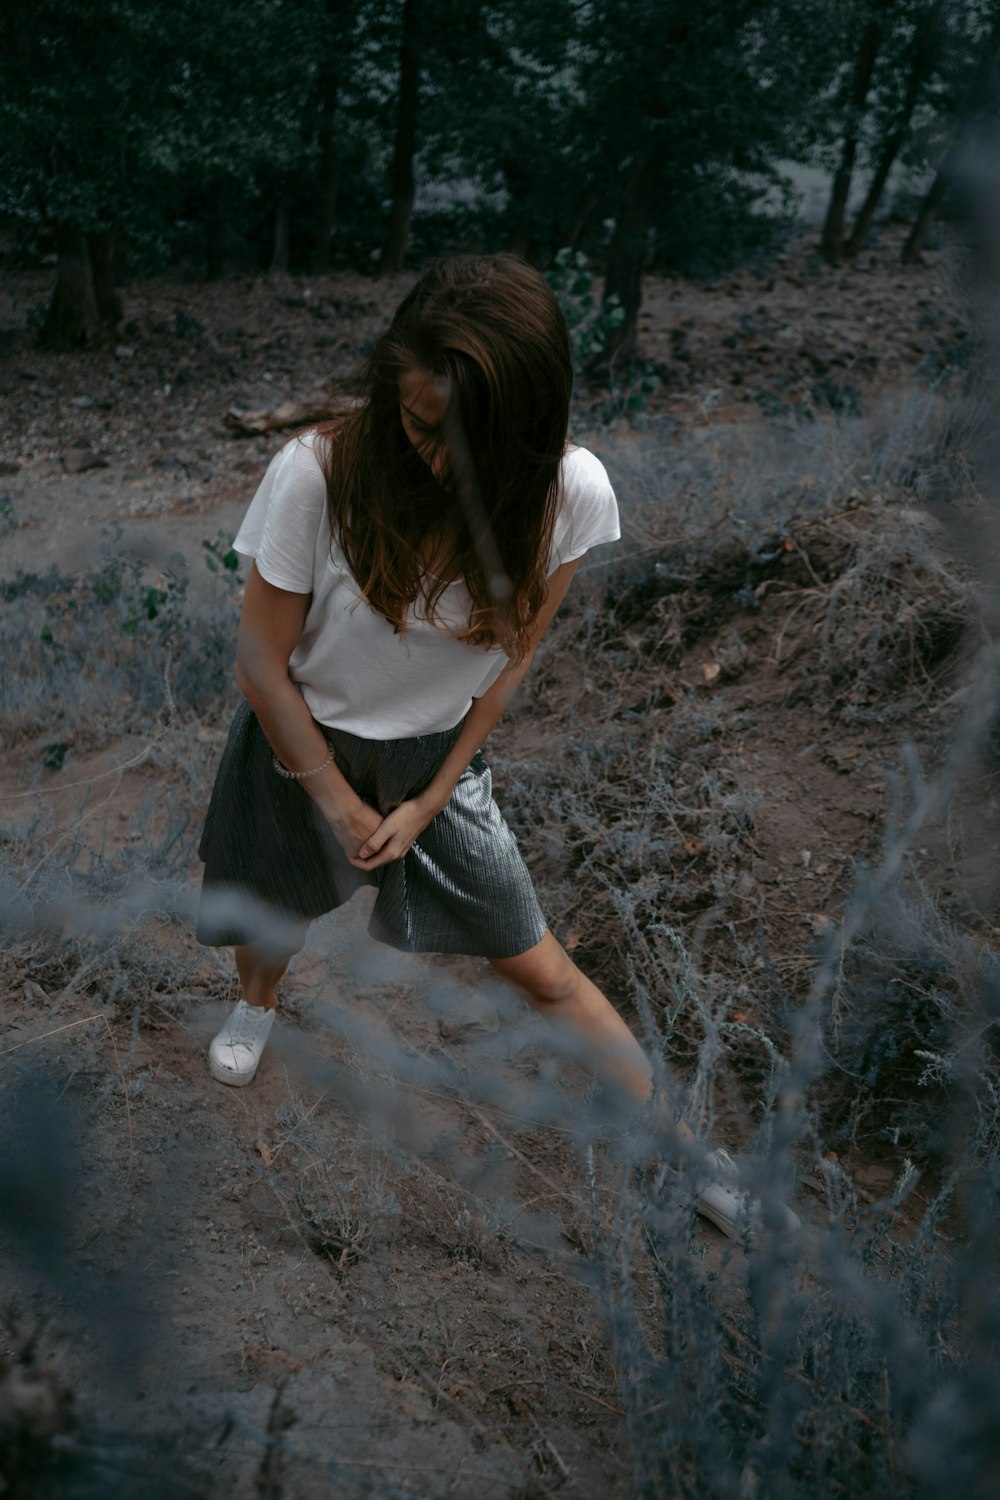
338,1199
83,659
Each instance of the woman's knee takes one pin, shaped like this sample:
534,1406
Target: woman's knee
545,975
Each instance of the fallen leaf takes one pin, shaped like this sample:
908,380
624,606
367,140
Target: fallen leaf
264,1152
710,671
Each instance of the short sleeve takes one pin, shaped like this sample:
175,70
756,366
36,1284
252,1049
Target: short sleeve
280,528
588,514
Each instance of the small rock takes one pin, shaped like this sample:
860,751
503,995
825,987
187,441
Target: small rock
75,460
124,351
81,401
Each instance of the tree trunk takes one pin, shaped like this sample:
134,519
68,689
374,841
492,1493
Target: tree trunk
874,195
329,176
626,257
102,246
72,320
213,240
586,224
518,181
397,235
832,240
928,211
923,56
279,254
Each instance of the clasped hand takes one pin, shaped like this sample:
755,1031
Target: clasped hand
384,839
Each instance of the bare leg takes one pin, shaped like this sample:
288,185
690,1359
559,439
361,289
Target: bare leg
261,970
550,981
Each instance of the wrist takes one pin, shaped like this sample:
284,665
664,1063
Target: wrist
433,799
332,793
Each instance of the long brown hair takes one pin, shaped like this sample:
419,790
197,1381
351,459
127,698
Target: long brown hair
490,327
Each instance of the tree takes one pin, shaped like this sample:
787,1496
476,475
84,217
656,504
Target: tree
335,41
491,81
224,135
916,77
832,238
114,112
342,47
397,233
689,108
975,96
501,84
65,97
917,68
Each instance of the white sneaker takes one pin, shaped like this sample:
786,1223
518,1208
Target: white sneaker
235,1053
729,1206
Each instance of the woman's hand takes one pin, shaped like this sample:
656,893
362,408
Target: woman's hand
394,834
353,825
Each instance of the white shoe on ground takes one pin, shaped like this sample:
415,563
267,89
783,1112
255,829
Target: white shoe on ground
730,1207
235,1053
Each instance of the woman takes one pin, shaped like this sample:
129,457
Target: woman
408,556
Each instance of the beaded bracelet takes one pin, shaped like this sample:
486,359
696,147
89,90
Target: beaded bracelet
299,775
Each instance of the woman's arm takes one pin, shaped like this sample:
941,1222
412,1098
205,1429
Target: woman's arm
270,627
399,829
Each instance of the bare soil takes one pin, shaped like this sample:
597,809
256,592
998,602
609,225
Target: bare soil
373,1271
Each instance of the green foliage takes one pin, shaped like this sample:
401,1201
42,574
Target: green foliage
128,112
188,126
629,391
929,48
502,87
589,321
219,553
688,108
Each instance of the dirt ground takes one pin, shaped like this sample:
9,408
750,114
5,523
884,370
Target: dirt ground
372,1272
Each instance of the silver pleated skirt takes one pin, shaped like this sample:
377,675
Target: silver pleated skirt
271,858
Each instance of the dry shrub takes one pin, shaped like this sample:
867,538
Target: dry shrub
336,1195
894,616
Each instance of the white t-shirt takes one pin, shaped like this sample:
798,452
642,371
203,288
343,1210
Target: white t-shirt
353,670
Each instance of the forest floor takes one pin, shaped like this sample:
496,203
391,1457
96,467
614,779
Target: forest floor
373,1272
